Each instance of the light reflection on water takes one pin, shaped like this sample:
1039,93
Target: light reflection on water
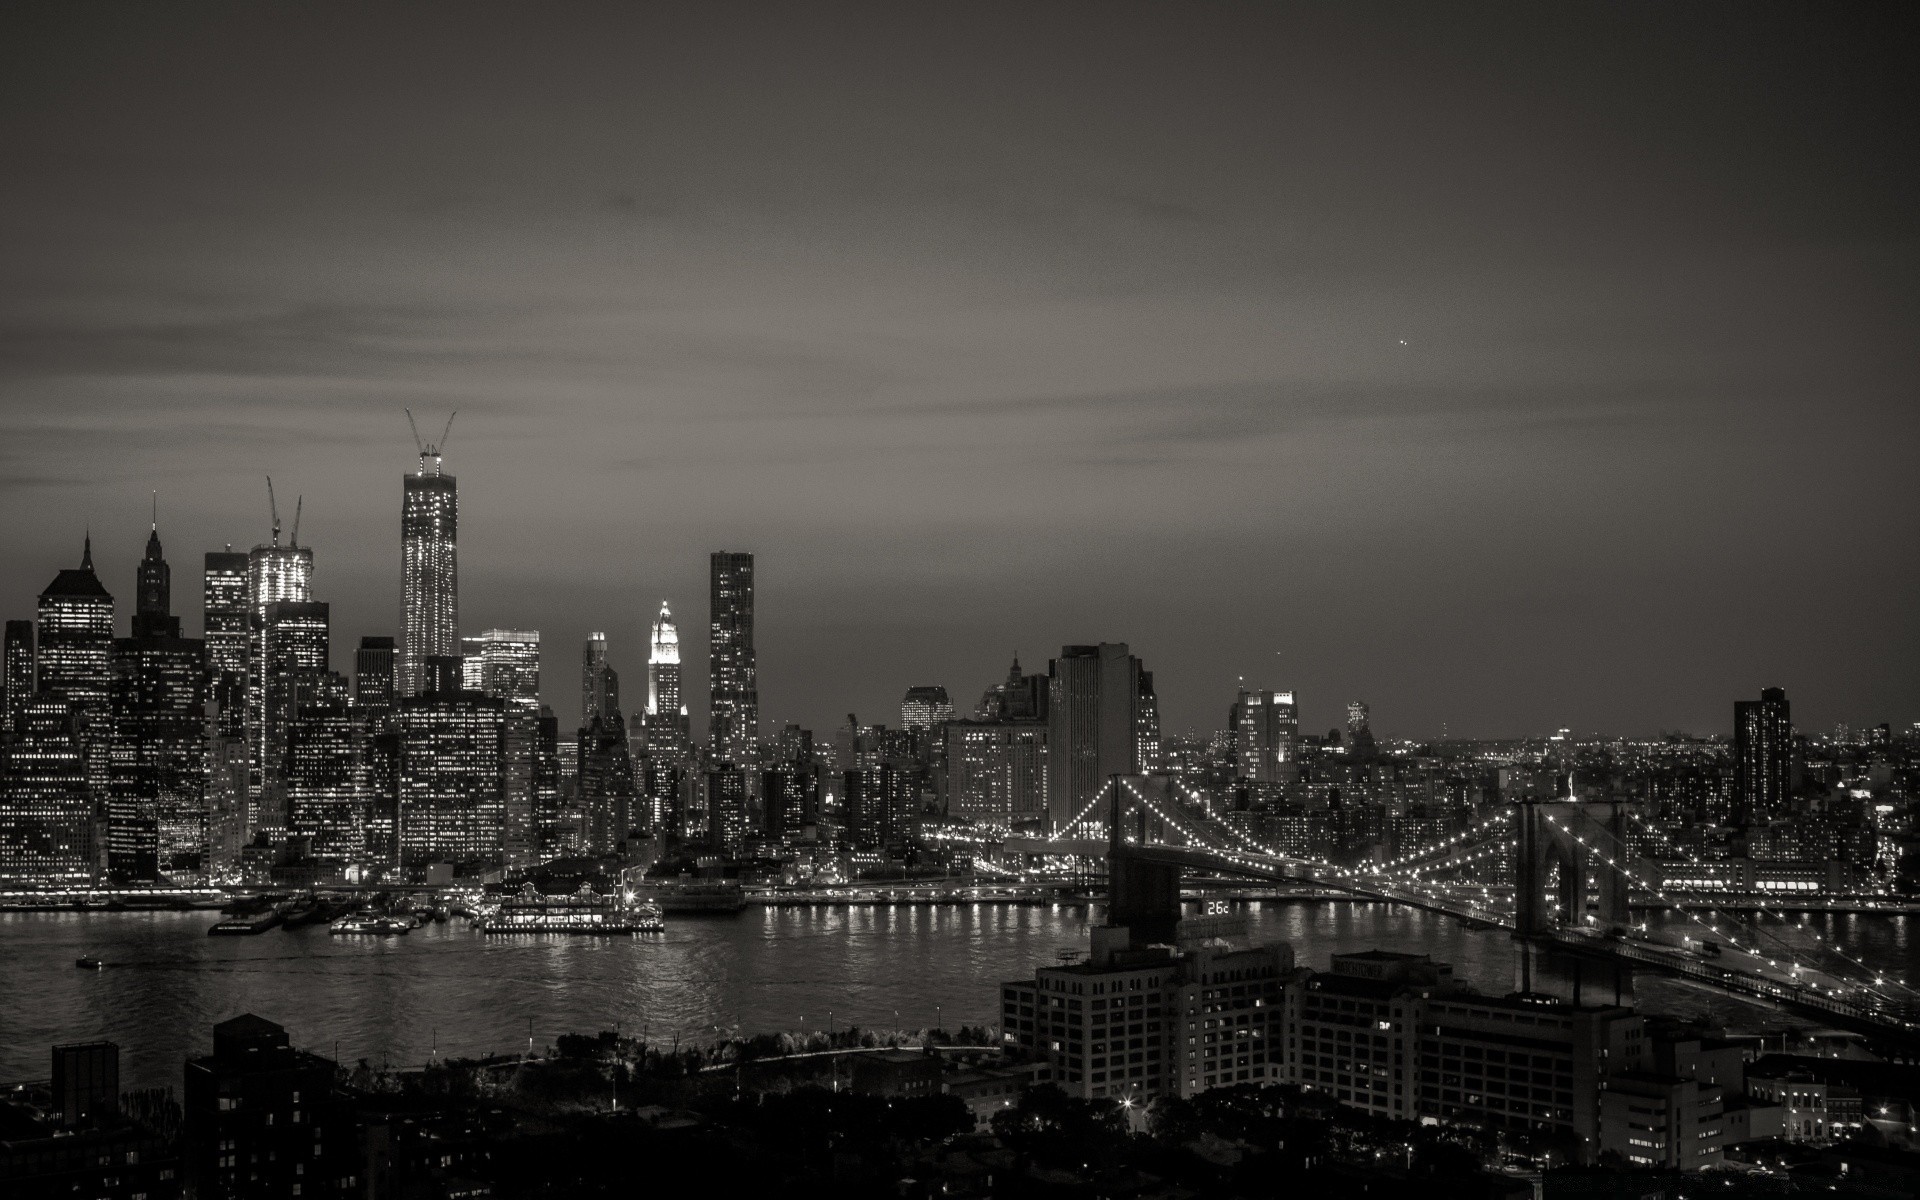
397,999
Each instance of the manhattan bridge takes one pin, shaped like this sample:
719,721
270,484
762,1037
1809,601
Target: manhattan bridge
1570,906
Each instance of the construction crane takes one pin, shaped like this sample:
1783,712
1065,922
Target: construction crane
273,506
429,449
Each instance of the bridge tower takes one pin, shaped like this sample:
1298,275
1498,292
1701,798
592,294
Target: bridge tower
1143,896
1563,881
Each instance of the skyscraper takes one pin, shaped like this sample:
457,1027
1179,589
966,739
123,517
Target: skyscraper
75,659
275,573
429,575
16,675
1762,757
375,679
223,603
1095,725
733,719
156,803
510,670
324,780
1266,729
599,683
666,720
451,748
296,642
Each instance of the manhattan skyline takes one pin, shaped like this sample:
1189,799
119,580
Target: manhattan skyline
1521,370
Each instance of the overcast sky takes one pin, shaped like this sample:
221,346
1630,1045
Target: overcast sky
1509,367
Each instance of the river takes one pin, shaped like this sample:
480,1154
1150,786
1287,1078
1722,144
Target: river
445,989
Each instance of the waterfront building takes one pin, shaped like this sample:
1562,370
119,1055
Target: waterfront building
74,660
1763,757
733,722
1098,726
16,674
727,807
881,806
156,800
46,808
1266,728
429,569
509,668
452,747
997,772
261,1119
80,1144
325,777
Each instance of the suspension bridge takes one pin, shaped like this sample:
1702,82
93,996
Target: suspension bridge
1569,909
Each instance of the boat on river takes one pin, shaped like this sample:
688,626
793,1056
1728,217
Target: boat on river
584,911
377,924
246,926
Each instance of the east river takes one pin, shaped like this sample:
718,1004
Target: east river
446,989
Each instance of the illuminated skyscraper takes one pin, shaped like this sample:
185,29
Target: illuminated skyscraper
733,717
75,659
324,780
510,670
296,637
451,748
223,601
429,575
16,675
156,804
666,720
1762,757
375,680
1266,729
275,573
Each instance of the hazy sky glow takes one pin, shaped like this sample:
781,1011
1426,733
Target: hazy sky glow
1513,367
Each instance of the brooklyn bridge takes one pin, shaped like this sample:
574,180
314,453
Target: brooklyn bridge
1557,874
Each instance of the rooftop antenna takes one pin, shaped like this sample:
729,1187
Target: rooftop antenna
273,506
156,510
297,502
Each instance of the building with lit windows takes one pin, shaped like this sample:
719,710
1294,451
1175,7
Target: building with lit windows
1762,757
326,802
46,810
452,751
666,724
157,790
429,570
16,674
733,722
599,682
727,824
924,708
1266,728
509,661
1098,726
75,660
997,772
296,640
262,1121
275,574
223,607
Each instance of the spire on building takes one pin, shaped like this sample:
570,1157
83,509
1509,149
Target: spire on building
86,552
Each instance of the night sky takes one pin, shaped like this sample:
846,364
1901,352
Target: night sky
1505,366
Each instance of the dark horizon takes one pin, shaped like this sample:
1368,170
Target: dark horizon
1508,368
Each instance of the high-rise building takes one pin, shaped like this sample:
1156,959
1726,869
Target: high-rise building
46,811
452,750
727,807
997,772
1266,728
429,575
295,647
16,674
608,794
880,807
510,670
1095,725
925,707
599,682
733,720
1762,756
275,573
223,604
323,776
667,729
791,793
75,659
156,801
548,812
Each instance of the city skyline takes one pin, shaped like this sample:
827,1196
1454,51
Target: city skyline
1413,349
